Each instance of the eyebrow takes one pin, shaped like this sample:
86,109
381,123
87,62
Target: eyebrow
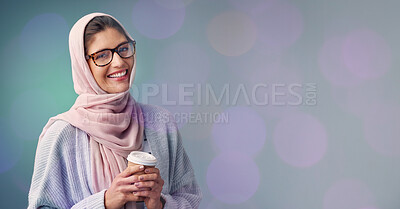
124,42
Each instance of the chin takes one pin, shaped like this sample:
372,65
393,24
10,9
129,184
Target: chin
116,90
121,90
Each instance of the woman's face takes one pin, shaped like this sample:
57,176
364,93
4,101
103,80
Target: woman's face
111,77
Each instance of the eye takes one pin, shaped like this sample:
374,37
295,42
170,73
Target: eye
123,49
102,55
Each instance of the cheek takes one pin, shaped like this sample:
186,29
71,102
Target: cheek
91,67
130,63
98,74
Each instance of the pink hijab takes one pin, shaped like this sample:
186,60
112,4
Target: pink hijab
113,122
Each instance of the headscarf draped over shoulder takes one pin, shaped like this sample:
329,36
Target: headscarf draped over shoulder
113,122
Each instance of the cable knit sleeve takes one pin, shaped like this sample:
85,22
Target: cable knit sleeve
61,176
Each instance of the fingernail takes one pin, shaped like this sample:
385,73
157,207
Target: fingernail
147,170
141,178
137,184
141,167
134,192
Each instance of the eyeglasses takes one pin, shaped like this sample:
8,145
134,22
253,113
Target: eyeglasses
105,56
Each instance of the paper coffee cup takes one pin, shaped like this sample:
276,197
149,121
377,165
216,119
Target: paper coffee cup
141,158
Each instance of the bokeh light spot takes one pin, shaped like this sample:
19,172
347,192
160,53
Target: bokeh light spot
366,54
233,177
300,140
332,65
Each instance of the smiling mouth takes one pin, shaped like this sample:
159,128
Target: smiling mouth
118,75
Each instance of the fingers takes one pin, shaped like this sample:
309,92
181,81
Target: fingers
149,177
128,175
130,179
145,194
137,178
151,180
155,186
122,187
133,188
152,170
145,184
131,170
132,197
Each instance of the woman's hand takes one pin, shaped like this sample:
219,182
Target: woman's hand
122,188
152,184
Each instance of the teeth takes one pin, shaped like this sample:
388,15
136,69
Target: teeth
117,75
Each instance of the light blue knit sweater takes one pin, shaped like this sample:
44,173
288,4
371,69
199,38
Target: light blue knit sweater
62,176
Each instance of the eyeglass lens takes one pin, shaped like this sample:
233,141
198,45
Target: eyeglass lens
105,57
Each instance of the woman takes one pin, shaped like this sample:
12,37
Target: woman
81,155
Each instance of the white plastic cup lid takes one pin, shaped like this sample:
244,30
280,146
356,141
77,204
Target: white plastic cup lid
142,158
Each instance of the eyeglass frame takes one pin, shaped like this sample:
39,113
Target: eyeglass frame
91,56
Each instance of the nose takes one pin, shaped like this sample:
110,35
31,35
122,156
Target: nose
117,61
